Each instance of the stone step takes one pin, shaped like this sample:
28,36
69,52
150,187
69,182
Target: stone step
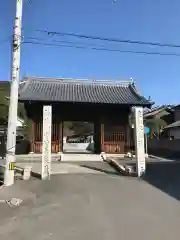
30,158
81,157
69,157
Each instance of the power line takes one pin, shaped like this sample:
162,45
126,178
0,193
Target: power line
52,33
65,41
4,40
102,49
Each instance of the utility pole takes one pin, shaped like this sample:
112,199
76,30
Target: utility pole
13,105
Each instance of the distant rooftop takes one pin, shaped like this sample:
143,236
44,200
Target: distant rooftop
173,125
157,109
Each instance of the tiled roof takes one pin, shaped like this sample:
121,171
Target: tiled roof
80,91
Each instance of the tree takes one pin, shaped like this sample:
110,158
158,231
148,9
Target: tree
82,128
155,125
4,102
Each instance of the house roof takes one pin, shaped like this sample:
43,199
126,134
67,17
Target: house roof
176,106
152,112
80,91
173,125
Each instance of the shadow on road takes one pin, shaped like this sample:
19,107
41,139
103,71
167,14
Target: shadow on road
165,176
100,167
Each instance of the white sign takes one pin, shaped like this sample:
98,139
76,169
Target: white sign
139,141
46,147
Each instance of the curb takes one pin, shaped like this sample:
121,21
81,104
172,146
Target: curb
153,156
160,158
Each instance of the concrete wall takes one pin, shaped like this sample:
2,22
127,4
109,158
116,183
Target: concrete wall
174,132
177,114
164,148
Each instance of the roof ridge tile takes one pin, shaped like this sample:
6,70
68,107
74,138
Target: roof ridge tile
63,90
81,81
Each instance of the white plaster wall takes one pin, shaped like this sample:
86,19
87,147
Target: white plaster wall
78,147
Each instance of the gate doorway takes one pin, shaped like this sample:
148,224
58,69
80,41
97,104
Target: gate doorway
78,137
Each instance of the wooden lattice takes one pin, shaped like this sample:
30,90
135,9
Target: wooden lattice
114,139
56,137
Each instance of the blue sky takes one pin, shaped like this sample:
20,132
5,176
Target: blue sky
158,21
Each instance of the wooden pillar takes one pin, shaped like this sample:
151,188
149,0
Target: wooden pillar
32,136
132,144
102,137
61,136
128,139
38,132
97,137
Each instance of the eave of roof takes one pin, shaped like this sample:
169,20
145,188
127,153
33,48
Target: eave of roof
173,125
175,107
80,91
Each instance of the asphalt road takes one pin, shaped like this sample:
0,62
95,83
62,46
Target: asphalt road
90,206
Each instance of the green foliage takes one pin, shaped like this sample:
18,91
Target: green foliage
4,92
80,128
4,102
68,124
156,125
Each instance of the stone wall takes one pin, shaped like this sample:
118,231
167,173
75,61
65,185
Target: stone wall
164,148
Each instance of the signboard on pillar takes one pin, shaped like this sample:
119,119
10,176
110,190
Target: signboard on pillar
46,147
139,141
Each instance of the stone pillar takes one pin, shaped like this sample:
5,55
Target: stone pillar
139,140
46,146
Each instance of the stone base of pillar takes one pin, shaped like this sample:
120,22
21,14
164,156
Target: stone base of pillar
60,156
27,173
103,156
